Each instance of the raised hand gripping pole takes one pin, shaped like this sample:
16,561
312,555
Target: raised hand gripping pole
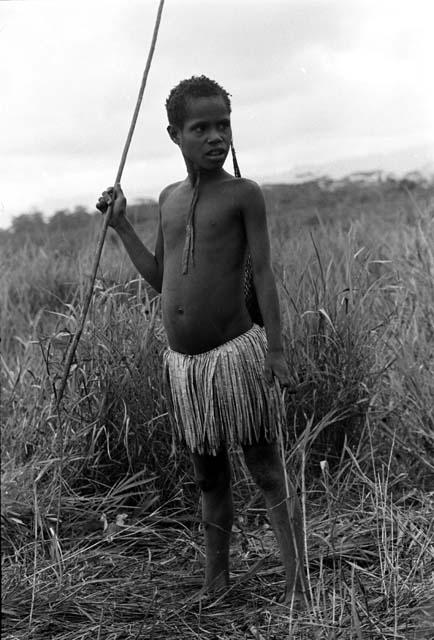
73,346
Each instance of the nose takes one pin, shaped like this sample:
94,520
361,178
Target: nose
214,136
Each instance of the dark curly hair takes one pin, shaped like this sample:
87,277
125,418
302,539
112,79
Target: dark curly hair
194,87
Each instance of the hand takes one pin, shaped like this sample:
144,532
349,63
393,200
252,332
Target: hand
114,199
275,367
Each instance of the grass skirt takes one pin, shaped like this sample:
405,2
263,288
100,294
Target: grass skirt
221,396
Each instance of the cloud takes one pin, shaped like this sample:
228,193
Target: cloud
310,80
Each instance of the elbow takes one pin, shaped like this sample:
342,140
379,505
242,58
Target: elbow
158,283
153,276
155,284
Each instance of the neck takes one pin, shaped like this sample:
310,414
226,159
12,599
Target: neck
205,175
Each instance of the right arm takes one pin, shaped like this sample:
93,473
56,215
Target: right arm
149,266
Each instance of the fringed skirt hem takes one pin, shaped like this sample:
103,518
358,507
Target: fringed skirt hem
221,396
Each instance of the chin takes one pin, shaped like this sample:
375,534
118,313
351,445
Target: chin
214,164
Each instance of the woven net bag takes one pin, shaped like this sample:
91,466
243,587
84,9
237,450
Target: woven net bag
249,286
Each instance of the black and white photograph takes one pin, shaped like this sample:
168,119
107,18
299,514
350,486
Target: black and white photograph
217,319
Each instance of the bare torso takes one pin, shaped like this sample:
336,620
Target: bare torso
205,307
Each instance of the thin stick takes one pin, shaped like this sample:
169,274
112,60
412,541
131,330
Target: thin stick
88,298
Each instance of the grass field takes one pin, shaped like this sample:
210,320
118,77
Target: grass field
355,271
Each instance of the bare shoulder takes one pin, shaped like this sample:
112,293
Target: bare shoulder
249,195
167,191
248,185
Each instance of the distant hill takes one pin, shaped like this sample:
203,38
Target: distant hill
65,227
397,164
363,193
307,202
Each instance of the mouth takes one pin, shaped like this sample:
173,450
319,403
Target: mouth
216,153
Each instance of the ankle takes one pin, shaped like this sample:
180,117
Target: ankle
217,582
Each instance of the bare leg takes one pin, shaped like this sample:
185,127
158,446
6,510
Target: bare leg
213,476
265,465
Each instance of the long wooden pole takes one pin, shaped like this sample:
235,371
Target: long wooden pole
73,346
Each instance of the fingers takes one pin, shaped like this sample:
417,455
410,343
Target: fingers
101,205
108,197
273,374
283,378
268,375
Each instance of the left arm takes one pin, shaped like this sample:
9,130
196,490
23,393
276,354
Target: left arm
255,224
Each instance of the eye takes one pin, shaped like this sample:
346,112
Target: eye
199,128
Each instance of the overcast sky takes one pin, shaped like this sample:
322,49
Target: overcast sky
313,82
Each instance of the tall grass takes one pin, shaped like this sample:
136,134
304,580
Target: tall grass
357,303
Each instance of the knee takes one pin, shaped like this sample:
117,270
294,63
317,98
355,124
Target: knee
213,481
268,480
265,466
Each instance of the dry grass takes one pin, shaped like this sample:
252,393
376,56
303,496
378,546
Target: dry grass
358,305
369,573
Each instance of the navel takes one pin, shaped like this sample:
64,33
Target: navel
180,310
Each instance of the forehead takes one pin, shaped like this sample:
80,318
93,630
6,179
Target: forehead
206,108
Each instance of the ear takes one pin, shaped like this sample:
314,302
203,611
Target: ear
174,134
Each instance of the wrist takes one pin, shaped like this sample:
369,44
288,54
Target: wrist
121,225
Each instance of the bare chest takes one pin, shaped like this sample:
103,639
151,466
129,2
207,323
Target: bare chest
216,222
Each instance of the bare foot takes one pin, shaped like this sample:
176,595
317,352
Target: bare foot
207,595
215,585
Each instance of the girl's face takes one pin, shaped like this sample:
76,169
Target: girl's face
206,134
